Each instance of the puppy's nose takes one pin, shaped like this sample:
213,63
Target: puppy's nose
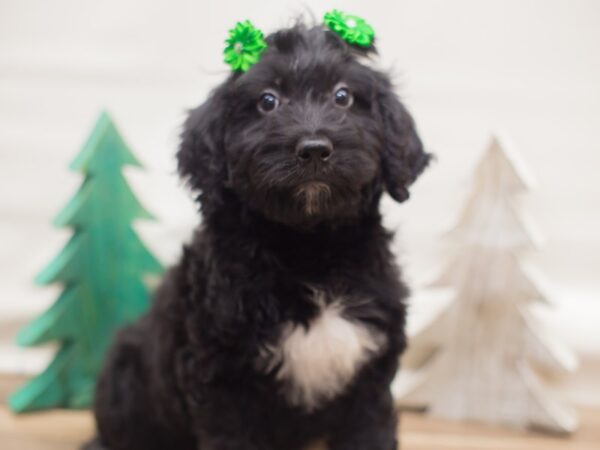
314,149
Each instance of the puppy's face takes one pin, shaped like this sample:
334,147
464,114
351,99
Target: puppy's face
308,134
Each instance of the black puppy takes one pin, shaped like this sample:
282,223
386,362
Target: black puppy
284,320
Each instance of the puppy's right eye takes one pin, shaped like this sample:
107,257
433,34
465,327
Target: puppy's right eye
268,102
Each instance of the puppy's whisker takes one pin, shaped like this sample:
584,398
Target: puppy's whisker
277,175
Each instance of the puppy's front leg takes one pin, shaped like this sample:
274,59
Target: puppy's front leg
222,420
221,423
214,442
371,425
222,411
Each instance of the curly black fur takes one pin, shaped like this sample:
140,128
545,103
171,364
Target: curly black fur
188,374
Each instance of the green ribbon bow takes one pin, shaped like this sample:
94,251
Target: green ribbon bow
244,46
352,29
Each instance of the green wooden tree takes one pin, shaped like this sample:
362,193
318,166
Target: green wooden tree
101,269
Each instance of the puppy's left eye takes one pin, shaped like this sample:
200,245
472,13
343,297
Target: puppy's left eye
267,102
343,98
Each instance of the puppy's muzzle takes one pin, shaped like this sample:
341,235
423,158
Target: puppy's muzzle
314,150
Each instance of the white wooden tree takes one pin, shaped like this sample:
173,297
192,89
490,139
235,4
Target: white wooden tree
485,357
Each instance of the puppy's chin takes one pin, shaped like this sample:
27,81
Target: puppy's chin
313,203
313,197
305,205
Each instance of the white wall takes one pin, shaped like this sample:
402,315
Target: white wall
463,67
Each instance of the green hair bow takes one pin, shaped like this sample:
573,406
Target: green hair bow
353,29
245,44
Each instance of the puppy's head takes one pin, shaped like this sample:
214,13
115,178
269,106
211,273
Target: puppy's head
307,135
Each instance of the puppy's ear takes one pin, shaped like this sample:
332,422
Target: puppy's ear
201,156
403,157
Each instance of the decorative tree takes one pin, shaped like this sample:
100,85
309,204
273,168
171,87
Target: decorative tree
484,357
101,269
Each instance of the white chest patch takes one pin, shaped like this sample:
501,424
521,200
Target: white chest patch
317,363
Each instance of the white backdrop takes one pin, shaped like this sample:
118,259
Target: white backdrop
463,67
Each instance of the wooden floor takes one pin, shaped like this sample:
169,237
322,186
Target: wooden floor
65,430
